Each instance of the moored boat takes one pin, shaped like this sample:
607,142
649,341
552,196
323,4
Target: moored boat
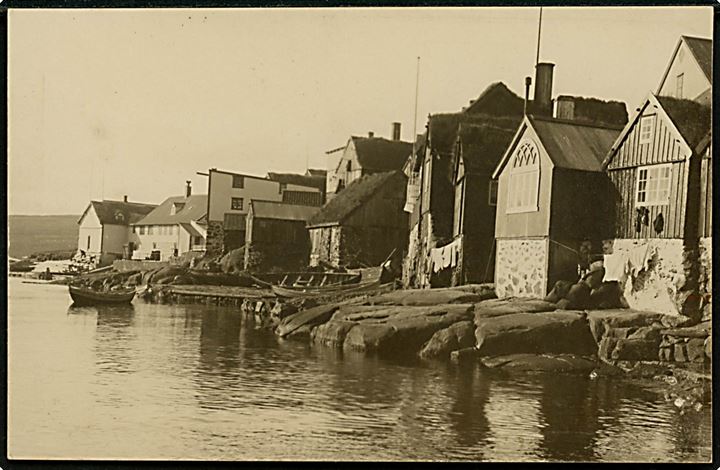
83,296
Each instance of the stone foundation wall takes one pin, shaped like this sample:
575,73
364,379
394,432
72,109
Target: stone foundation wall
705,277
520,268
214,242
659,288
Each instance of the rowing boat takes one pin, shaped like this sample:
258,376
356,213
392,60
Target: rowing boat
83,296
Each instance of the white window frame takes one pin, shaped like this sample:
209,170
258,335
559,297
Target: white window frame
232,203
647,128
524,180
653,176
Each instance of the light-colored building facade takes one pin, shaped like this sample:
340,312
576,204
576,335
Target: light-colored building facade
689,73
229,196
175,227
104,228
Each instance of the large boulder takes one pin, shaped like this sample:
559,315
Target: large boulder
548,332
457,336
388,329
563,363
425,297
305,318
167,274
233,261
602,321
498,307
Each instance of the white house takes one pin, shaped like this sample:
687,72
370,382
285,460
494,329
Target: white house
689,73
176,226
104,231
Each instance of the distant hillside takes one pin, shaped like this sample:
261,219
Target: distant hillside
33,233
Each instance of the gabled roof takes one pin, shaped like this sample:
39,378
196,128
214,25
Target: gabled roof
317,182
482,143
701,49
496,100
280,211
571,145
118,212
194,208
354,196
380,154
692,121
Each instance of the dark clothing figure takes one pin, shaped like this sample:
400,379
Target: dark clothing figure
659,223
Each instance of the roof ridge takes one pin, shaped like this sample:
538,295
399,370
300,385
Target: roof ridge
574,122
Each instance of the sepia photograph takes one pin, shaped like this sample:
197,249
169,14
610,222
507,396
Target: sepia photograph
428,234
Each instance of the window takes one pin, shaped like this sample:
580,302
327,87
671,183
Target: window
283,187
646,129
237,204
653,185
88,243
150,229
349,165
524,179
198,240
679,85
492,193
238,181
142,230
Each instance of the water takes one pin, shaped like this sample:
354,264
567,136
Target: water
196,382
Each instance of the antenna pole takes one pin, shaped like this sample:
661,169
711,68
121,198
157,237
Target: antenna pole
537,54
417,86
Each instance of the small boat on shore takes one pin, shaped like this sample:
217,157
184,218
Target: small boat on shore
83,296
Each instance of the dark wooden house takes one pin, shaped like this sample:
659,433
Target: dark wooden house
363,224
661,173
276,237
454,212
549,200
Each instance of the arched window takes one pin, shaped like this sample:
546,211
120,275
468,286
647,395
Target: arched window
524,179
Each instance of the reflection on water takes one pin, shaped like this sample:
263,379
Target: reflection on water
186,381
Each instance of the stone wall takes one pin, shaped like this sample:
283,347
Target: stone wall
214,242
520,268
659,288
705,278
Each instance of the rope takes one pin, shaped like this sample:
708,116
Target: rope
565,246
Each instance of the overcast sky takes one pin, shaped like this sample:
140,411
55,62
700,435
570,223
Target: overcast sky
111,102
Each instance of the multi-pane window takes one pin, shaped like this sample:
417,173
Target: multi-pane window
492,193
238,181
646,129
524,179
142,230
236,204
150,229
653,185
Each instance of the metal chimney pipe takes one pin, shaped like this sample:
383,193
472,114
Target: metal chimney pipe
543,88
371,134
188,188
528,82
125,198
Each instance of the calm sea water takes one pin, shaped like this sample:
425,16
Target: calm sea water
196,382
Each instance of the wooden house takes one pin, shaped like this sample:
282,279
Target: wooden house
175,227
661,171
363,224
365,156
688,74
454,208
276,237
229,196
104,228
549,201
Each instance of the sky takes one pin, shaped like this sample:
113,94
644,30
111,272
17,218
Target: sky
106,103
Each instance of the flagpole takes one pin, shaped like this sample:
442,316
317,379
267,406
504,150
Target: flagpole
537,54
417,86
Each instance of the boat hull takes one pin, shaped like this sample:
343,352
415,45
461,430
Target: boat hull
86,297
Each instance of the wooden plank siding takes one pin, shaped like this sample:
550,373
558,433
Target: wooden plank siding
665,147
624,187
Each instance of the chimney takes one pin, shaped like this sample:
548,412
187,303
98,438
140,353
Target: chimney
371,134
396,131
565,108
125,198
543,88
528,82
188,188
